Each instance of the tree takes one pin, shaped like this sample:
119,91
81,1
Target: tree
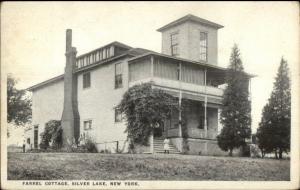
145,108
18,105
236,110
264,133
275,126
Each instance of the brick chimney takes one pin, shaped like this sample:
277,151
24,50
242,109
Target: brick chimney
70,116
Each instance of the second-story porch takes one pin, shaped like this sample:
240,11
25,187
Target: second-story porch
173,74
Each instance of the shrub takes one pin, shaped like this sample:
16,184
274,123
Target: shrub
106,151
52,133
90,146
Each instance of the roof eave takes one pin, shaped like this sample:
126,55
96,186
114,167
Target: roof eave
185,60
176,58
46,82
191,18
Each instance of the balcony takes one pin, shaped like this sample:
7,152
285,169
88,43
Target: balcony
179,85
195,81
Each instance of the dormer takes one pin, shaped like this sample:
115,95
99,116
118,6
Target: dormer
101,54
192,38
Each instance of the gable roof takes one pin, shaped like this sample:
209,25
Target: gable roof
193,18
130,52
46,82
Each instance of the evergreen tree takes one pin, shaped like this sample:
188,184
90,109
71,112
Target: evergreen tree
236,111
264,133
274,128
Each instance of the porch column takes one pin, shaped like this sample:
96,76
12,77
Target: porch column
205,105
179,102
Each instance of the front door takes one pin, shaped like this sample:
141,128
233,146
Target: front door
35,136
159,130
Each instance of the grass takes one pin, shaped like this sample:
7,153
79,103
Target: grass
91,166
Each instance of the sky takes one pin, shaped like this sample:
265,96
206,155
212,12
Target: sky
33,35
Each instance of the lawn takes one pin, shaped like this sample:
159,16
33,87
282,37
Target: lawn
95,166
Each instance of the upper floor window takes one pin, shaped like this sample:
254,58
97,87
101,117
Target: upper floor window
118,75
87,125
203,46
86,80
104,53
174,44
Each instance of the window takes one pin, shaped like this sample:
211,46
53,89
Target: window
87,125
82,62
107,52
112,51
103,54
203,46
91,58
86,80
118,75
174,44
100,55
118,115
28,140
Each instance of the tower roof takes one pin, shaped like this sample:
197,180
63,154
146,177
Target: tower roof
192,18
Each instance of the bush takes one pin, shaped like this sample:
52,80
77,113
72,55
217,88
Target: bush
90,146
106,151
52,133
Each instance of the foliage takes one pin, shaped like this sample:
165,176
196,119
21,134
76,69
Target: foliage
274,129
90,145
236,110
144,108
52,133
18,105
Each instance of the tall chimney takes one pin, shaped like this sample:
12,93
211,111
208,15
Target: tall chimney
70,116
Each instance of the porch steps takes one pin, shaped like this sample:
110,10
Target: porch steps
158,146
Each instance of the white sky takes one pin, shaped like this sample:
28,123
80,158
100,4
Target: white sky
33,35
